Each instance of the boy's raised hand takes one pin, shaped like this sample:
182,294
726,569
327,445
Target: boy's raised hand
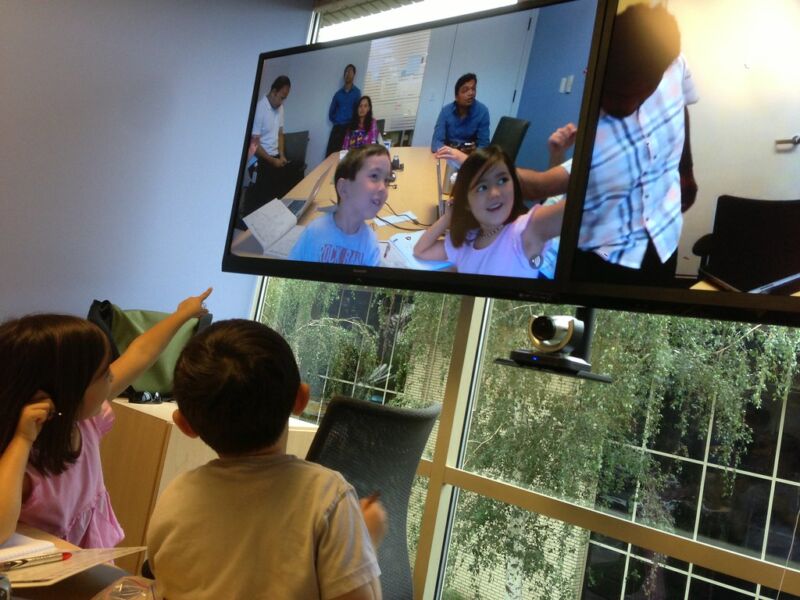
34,415
195,306
375,518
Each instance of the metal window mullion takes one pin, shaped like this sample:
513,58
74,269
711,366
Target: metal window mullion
395,335
436,511
706,555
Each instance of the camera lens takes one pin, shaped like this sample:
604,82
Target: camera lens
543,328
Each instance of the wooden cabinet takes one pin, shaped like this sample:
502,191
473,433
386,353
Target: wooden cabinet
144,451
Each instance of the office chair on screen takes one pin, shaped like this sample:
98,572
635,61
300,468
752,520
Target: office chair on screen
509,135
377,448
295,145
753,245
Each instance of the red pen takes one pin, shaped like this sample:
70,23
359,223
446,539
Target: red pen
32,561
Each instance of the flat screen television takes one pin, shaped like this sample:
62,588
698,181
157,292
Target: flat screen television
710,137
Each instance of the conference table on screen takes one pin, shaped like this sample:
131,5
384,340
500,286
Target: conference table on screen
416,188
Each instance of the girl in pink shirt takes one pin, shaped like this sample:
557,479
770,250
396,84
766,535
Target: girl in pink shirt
56,377
487,229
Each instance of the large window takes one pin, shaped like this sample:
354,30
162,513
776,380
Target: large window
543,486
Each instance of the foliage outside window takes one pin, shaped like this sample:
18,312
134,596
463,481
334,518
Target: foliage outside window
671,443
679,384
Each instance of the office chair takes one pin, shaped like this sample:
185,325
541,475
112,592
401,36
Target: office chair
295,145
381,125
377,448
509,135
752,246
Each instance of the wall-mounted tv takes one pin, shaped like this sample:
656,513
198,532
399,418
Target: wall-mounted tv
374,160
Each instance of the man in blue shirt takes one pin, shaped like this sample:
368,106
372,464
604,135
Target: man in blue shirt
463,124
340,113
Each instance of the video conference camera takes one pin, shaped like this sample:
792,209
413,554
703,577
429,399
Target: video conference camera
560,343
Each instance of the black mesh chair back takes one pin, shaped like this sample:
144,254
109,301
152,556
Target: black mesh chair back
295,145
378,448
753,246
509,135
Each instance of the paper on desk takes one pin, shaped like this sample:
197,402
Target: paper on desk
22,546
81,560
275,227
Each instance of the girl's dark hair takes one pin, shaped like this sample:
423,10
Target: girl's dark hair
60,355
355,122
477,163
352,162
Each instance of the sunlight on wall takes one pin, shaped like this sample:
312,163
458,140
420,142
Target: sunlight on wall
413,14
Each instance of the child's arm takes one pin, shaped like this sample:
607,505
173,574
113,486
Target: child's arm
429,246
559,142
15,458
145,349
543,225
368,591
375,517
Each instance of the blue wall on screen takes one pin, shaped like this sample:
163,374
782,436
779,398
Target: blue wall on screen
567,27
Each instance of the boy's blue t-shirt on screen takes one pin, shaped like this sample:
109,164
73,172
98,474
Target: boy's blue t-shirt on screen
323,241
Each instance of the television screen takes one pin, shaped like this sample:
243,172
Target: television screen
514,77
694,182
651,158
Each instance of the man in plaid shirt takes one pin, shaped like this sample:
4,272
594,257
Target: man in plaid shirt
632,221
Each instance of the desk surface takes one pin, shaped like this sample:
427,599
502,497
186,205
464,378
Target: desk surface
707,286
417,190
164,411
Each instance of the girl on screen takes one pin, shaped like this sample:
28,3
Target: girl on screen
363,129
56,378
487,229
342,237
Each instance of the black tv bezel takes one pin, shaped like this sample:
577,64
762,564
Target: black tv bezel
725,305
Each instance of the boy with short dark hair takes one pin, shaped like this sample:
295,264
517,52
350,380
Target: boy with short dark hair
257,522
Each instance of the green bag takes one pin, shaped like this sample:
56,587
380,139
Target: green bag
123,326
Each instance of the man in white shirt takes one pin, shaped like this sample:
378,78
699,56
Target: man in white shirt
276,175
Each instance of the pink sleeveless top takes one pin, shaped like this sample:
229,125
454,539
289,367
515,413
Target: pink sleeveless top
75,505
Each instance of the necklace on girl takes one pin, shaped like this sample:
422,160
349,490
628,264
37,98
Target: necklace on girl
490,233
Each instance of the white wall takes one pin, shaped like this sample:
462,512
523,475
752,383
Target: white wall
744,61
121,124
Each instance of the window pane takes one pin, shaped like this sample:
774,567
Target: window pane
500,551
684,439
384,346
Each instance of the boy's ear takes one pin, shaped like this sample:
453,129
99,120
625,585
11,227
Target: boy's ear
301,400
342,187
183,424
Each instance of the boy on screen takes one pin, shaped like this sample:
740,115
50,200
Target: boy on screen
342,237
257,522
